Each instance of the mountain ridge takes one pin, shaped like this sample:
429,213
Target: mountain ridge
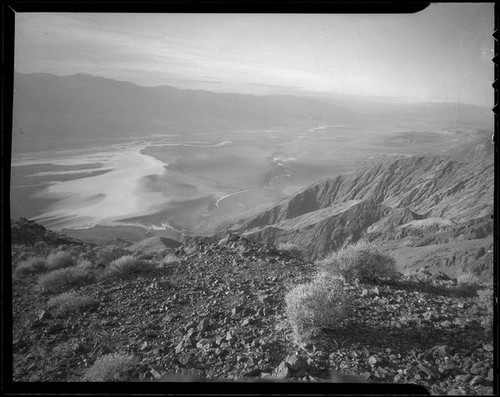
406,199
87,110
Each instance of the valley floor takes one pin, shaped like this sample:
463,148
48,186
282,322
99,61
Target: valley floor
219,313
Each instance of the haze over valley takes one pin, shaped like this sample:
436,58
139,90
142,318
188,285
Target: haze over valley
129,163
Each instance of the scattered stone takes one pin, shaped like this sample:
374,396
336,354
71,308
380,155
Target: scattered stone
179,348
236,310
476,380
203,325
372,360
283,371
429,316
155,373
463,378
491,375
445,323
44,315
429,372
476,368
296,363
265,299
186,359
488,347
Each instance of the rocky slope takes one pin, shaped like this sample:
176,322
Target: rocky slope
217,313
433,199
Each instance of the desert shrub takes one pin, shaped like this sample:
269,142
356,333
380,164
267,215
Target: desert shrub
61,280
485,298
361,260
70,302
127,265
467,277
170,259
289,249
41,248
90,266
113,367
485,301
322,303
31,266
109,253
60,260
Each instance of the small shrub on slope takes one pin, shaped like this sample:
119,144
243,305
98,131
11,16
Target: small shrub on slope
290,249
61,280
485,301
361,260
125,266
113,367
322,303
485,298
467,277
170,259
60,260
109,253
31,266
70,302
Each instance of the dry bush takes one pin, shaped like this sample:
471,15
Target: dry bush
61,280
31,266
113,367
485,301
60,260
41,248
125,266
170,259
110,253
70,302
290,249
467,277
485,298
361,260
322,303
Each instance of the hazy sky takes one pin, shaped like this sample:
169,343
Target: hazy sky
440,54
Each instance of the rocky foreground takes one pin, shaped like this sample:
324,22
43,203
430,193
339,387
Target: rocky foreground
218,313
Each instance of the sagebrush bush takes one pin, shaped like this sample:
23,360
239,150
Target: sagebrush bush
70,302
322,303
60,260
114,367
31,266
485,301
61,280
109,253
467,277
125,266
41,248
170,259
289,249
485,298
361,260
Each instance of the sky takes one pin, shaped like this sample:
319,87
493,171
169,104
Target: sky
441,54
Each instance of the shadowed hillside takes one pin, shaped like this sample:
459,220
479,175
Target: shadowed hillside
415,200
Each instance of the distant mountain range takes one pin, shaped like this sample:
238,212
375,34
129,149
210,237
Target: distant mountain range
63,112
